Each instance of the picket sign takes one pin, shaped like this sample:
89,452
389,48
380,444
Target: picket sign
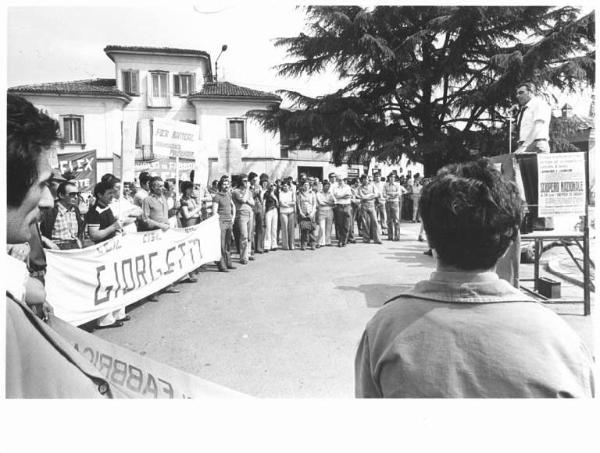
85,284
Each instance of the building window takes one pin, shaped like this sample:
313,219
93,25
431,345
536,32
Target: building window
237,129
158,89
184,84
130,79
72,130
290,142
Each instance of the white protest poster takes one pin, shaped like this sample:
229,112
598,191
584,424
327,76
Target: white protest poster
82,285
561,184
174,138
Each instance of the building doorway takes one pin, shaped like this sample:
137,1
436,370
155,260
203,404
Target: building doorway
315,172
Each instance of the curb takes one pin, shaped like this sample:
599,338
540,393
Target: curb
553,266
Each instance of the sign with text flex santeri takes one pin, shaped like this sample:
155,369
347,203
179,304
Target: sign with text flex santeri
174,138
81,165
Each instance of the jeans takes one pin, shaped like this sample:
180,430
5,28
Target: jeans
393,219
271,230
288,224
381,213
370,226
325,217
343,221
259,230
415,207
243,224
226,240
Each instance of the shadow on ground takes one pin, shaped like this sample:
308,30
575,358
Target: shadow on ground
377,294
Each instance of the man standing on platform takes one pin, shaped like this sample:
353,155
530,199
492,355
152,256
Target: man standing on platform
533,121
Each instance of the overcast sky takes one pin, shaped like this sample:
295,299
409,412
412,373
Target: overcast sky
50,43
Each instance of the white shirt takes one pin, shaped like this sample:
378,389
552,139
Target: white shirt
339,192
535,110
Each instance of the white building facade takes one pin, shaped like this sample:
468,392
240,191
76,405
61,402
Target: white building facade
114,116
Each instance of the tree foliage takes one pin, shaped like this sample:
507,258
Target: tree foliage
433,83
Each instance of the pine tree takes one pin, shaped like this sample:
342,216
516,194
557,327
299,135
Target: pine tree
433,83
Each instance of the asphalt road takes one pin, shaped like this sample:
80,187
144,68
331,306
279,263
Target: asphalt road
287,324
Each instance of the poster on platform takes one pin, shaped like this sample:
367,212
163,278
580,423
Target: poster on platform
561,184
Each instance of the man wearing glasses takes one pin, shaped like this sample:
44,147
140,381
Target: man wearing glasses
63,223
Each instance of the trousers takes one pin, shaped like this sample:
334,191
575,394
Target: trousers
343,221
369,220
288,225
270,242
393,219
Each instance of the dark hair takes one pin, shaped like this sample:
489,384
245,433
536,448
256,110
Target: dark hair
251,176
223,178
144,178
110,179
28,133
263,177
470,214
155,178
185,185
62,187
101,188
529,85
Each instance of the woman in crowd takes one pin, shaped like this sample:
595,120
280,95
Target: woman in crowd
271,215
325,203
287,216
191,210
306,215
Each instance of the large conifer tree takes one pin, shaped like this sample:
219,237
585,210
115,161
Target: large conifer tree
430,82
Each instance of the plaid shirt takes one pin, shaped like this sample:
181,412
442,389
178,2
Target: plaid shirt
65,227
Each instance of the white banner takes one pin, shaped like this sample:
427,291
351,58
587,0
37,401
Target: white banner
561,184
82,285
171,138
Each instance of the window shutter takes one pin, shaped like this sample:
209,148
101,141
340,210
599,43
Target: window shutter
77,130
135,85
149,98
176,89
193,84
66,130
126,81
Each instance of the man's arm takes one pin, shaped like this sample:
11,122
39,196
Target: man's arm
98,235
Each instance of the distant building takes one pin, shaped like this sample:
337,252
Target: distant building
110,115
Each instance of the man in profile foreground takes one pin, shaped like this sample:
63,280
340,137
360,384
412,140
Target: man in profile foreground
39,362
464,333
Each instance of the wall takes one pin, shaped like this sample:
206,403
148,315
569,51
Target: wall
212,116
180,109
101,124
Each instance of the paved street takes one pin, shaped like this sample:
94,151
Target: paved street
286,325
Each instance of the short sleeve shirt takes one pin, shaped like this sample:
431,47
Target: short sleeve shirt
100,217
223,200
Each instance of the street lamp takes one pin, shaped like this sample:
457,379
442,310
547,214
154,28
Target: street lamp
223,49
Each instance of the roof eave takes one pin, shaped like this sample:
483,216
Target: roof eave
109,53
123,97
213,97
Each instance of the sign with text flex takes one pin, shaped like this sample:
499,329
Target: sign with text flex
83,285
174,138
561,184
82,165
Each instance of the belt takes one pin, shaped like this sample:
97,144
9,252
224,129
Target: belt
540,140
